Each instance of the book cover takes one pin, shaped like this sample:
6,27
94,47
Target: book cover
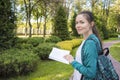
58,55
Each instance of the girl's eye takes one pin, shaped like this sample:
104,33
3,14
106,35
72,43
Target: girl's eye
81,22
76,22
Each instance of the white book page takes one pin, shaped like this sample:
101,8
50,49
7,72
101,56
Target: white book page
58,55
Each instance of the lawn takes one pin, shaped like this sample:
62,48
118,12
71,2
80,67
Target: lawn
53,70
110,39
114,51
48,70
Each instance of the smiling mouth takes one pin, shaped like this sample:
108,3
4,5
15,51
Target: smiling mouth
79,29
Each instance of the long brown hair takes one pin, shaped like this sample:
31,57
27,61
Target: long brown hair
90,18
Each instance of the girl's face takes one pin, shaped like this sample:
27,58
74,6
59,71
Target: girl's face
82,25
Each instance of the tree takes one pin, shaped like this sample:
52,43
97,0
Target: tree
74,31
45,11
28,8
100,9
7,24
38,17
115,16
60,28
78,5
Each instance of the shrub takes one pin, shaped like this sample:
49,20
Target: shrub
69,44
24,46
44,49
76,42
17,62
21,40
113,35
53,39
35,41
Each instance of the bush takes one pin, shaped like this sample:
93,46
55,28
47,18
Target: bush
76,42
53,39
35,41
28,43
69,44
113,35
44,49
17,62
21,40
21,43
24,46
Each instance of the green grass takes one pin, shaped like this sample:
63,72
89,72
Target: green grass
48,70
115,51
53,70
110,39
73,52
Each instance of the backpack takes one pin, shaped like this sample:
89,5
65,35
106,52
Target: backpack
106,69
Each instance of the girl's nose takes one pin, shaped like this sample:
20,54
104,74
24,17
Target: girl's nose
78,26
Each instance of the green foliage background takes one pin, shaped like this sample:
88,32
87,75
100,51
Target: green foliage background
60,24
7,24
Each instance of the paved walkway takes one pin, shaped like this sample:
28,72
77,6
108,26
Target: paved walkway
115,63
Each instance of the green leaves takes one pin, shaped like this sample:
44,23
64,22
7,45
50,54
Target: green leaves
17,62
43,50
7,24
60,24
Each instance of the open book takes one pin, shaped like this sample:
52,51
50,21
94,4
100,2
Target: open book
58,55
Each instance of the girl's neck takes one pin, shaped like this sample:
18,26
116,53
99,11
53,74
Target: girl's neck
86,35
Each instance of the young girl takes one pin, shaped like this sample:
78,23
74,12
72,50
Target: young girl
85,63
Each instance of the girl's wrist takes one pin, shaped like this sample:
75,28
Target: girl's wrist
71,61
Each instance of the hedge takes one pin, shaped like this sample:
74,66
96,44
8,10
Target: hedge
17,62
43,50
53,39
69,44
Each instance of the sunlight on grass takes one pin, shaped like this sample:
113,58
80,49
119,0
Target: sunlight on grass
53,70
110,39
114,51
48,70
61,76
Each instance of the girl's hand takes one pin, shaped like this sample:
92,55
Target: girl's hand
69,58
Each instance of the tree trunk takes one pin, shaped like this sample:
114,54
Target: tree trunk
26,18
44,30
30,29
38,25
29,20
26,29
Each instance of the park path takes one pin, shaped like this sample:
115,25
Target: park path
115,63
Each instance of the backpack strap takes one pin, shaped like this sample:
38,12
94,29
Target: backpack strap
104,51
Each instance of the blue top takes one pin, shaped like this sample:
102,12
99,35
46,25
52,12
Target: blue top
89,56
